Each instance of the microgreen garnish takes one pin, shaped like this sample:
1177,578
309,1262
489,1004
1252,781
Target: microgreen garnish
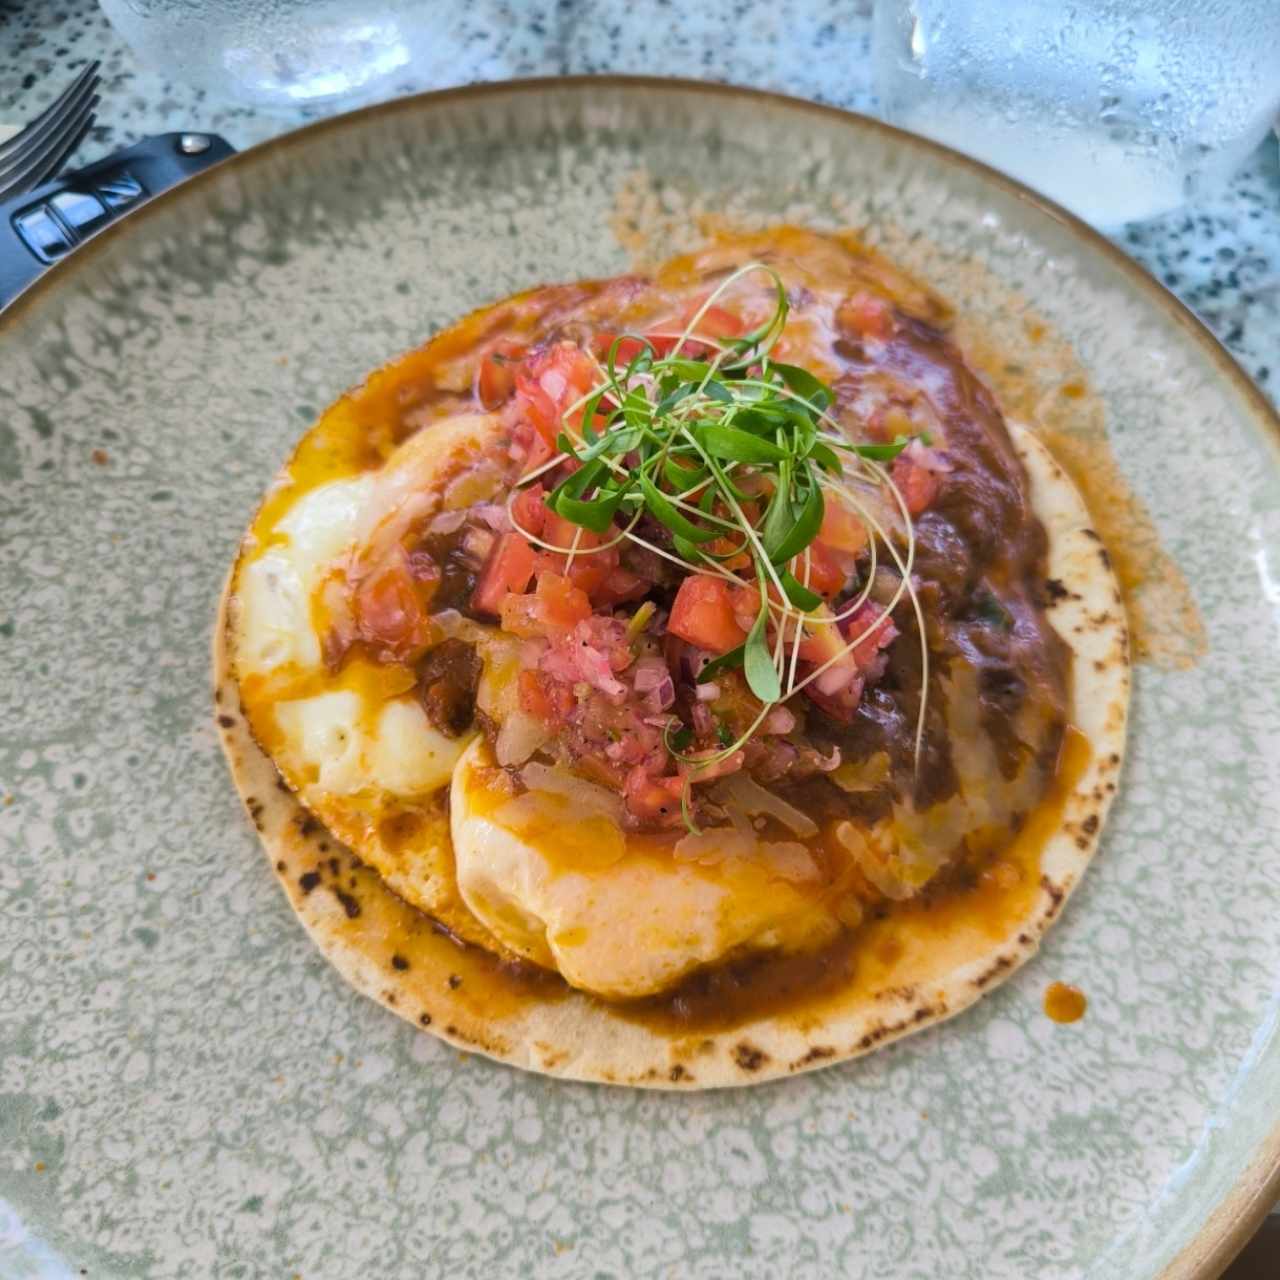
736,456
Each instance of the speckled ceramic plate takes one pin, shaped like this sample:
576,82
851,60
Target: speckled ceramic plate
186,1087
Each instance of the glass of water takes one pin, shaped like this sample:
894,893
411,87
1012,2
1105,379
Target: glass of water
1118,109
302,57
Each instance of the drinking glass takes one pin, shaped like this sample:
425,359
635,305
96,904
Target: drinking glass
1118,109
309,56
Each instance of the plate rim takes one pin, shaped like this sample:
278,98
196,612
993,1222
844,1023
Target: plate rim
1232,1222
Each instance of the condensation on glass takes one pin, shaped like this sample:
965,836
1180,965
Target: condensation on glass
302,56
1118,109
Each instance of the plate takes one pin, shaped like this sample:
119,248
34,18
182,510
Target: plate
186,1088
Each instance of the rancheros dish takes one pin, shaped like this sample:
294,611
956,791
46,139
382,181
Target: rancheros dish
698,661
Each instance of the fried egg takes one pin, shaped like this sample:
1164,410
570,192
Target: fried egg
553,875
360,731
534,876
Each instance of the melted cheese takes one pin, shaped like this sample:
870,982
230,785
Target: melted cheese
349,733
335,747
566,889
276,586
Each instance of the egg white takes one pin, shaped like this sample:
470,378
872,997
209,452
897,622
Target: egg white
571,893
275,586
342,741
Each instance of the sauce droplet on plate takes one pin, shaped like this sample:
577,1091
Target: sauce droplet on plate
1064,1003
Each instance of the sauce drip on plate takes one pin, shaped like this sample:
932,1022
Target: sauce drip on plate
1064,1003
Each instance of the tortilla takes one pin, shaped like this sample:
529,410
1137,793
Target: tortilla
398,956
392,951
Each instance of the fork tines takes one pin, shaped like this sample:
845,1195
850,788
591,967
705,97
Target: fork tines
39,150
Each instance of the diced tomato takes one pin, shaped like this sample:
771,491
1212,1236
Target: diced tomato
841,701
547,699
538,408
529,511
745,602
389,612
827,639
703,614
716,322
654,801
533,698
521,615
918,485
618,586
549,382
587,573
496,378
556,605
822,572
529,448
882,633
509,568
561,533
562,604
627,350
863,315
823,640
841,528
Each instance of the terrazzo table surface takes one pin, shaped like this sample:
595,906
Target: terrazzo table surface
1221,255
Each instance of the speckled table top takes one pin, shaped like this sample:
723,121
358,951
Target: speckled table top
1220,255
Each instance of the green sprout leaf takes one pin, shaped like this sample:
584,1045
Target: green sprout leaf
807,523
732,445
757,662
798,593
730,661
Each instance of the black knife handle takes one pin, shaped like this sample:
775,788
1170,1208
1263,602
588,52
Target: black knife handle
41,226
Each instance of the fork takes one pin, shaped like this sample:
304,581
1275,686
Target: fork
38,151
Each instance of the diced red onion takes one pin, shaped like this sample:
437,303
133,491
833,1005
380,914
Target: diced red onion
662,696
779,720
477,544
649,674
447,522
703,724
836,677
929,459
495,515
708,692
596,671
